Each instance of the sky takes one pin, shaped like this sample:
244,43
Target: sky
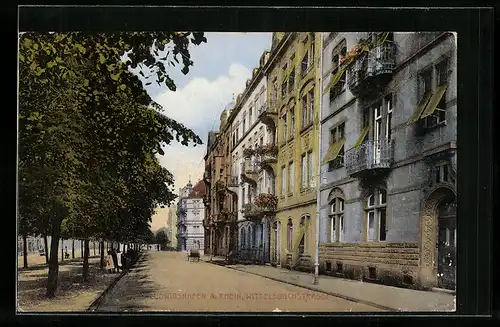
221,68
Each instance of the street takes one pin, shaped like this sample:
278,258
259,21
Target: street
166,281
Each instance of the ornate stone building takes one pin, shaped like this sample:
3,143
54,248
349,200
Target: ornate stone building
190,216
254,149
388,169
293,106
220,201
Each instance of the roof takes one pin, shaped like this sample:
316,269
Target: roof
198,190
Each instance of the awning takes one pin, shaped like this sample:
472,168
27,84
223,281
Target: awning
420,108
333,151
361,138
433,102
299,238
335,78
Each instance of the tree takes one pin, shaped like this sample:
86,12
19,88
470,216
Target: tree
162,239
70,78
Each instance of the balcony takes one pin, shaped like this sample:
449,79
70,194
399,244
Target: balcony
372,70
225,216
234,183
369,158
267,155
268,115
249,172
206,176
263,205
220,188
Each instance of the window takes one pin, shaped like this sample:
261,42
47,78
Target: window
388,122
237,133
244,122
292,121
304,66
291,78
311,49
311,105
339,52
433,83
441,173
283,118
275,90
310,172
375,207
250,117
283,83
303,165
304,111
289,235
337,134
243,195
283,181
337,232
291,179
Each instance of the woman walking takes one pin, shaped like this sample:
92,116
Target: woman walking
109,263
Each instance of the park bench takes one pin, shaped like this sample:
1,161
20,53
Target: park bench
193,254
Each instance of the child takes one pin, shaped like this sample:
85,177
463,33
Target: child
109,263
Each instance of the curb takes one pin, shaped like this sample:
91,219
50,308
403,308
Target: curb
95,304
345,297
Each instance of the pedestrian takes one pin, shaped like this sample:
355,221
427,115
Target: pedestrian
66,254
119,260
123,257
109,262
115,259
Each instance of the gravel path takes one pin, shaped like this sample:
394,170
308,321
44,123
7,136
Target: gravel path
166,281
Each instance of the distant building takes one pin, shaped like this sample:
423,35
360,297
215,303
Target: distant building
172,227
190,215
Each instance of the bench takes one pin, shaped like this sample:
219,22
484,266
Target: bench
193,254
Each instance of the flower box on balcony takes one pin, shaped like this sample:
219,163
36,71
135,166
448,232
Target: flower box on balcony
267,149
266,200
219,186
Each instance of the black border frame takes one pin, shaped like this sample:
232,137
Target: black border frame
474,27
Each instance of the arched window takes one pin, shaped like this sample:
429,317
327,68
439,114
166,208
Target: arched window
249,234
337,231
242,238
376,213
289,235
336,215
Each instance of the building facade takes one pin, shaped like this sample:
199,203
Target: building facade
388,168
190,216
293,106
172,227
253,153
220,198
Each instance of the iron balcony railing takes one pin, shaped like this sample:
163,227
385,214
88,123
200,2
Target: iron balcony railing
380,60
249,167
368,156
251,210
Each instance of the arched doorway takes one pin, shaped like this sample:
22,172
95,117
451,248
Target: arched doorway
276,253
438,238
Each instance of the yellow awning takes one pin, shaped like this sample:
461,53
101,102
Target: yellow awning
433,102
298,239
420,108
335,78
362,136
333,151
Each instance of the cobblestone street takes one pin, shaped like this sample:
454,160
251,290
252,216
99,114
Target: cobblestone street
166,281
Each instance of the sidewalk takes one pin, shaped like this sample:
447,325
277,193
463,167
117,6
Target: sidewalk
387,297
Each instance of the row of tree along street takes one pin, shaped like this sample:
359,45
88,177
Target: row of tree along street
89,134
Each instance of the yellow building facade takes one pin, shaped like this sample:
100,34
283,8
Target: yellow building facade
293,75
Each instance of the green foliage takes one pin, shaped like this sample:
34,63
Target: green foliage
90,133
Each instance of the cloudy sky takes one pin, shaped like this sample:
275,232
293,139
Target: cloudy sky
221,68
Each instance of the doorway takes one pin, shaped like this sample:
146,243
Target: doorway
446,244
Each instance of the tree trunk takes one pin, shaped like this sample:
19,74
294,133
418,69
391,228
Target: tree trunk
25,252
86,260
123,248
54,262
72,249
101,246
93,243
62,249
46,243
81,248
